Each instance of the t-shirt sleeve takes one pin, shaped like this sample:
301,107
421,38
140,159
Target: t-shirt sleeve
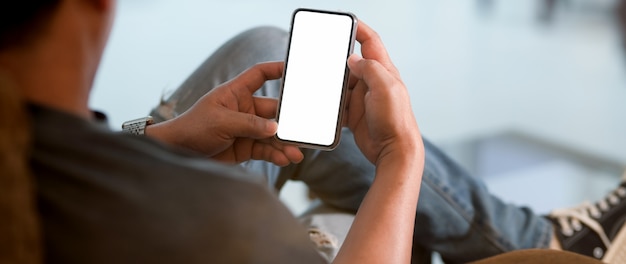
188,218
105,197
268,233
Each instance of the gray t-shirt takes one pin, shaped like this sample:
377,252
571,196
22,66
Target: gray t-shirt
107,197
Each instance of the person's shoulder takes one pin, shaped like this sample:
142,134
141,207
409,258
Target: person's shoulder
66,141
138,197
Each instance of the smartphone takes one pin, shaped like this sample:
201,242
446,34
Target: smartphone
315,80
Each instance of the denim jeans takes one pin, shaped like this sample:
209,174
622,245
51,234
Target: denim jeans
456,215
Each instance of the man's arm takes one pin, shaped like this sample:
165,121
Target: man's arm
381,117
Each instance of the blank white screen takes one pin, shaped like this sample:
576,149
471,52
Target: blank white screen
314,77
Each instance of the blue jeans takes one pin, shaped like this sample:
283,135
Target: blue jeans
456,215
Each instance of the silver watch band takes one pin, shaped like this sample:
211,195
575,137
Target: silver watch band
137,126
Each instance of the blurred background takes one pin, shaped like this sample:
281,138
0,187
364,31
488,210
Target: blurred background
529,95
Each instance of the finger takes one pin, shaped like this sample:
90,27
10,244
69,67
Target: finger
277,157
254,77
292,152
347,105
268,151
357,105
352,81
374,74
250,126
372,46
265,107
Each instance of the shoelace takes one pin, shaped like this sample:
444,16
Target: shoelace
322,239
571,219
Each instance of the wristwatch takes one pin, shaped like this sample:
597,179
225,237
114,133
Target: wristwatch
137,126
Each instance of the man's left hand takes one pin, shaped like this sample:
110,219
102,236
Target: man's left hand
231,125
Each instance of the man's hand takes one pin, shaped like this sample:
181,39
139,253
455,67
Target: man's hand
379,111
230,125
381,118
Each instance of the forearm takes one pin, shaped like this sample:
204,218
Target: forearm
383,228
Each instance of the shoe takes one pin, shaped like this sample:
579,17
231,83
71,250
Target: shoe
595,230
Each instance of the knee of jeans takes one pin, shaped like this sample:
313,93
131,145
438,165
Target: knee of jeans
263,35
265,30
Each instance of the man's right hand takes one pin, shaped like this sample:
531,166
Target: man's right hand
381,118
379,111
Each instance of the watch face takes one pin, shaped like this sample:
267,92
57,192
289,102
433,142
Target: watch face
137,126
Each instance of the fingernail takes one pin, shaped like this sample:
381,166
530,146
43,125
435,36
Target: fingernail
271,126
354,58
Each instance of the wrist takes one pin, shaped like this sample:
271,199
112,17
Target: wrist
406,150
159,132
137,126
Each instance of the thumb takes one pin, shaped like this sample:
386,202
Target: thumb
370,71
354,65
252,126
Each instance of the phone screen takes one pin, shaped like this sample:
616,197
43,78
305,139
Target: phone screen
315,78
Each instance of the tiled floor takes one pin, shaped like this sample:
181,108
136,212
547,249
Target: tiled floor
472,72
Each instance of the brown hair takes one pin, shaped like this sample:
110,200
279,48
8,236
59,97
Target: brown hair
19,228
21,21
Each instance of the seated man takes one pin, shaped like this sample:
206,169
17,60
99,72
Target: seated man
106,197
121,198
